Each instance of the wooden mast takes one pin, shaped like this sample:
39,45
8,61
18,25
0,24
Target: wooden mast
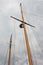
26,39
10,50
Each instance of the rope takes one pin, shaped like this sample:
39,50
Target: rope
13,55
5,58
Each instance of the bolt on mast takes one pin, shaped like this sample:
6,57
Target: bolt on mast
26,39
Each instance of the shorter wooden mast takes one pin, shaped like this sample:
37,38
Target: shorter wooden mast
10,50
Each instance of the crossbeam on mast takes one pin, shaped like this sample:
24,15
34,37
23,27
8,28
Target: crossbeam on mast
22,21
26,39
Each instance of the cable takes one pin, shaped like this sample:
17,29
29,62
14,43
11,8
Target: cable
5,58
13,56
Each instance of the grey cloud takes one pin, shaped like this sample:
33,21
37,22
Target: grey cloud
8,25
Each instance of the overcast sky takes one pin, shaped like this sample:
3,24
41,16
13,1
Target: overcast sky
33,13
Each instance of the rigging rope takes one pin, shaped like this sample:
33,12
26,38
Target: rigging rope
5,58
13,55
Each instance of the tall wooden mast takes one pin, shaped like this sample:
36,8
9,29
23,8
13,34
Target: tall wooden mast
26,39
10,50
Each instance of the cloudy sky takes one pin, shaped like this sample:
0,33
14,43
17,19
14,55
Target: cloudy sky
33,13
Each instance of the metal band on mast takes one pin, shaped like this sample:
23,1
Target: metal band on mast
26,39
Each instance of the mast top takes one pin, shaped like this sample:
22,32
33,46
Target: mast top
11,38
